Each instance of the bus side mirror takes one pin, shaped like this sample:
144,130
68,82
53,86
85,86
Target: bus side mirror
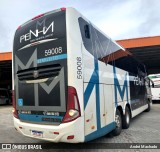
152,85
87,31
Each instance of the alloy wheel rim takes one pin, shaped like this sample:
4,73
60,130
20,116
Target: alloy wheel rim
117,119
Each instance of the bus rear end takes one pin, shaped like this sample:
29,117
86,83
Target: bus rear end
45,106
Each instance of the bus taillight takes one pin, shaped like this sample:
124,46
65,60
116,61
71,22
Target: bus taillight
15,114
73,108
19,27
38,16
63,9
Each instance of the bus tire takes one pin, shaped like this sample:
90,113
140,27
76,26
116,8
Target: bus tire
126,119
149,107
118,120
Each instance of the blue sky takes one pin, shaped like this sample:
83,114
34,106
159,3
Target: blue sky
119,19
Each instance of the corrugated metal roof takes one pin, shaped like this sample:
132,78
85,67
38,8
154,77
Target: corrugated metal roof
140,42
5,56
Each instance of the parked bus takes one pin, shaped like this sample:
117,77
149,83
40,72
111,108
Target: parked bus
155,89
71,82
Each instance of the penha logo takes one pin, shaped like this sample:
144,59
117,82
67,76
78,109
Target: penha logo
35,34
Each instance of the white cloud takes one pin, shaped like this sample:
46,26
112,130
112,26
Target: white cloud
132,19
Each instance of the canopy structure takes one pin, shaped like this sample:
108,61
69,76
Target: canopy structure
6,70
146,49
5,56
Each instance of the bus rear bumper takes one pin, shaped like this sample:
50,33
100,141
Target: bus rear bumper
61,133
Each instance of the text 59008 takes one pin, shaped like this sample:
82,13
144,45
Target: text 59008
53,51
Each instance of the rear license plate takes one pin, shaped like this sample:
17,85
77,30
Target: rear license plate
37,133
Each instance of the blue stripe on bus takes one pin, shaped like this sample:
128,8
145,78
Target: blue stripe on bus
36,118
94,81
118,86
101,132
52,58
87,93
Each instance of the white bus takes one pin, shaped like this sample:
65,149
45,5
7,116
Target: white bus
71,82
155,89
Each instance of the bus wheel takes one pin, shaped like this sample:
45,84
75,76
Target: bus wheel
126,119
118,120
149,107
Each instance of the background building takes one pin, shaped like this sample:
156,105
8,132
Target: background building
146,49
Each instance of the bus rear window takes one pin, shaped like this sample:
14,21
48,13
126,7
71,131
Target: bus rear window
51,26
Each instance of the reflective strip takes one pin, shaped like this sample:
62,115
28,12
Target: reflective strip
52,58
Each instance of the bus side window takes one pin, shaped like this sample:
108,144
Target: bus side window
87,31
